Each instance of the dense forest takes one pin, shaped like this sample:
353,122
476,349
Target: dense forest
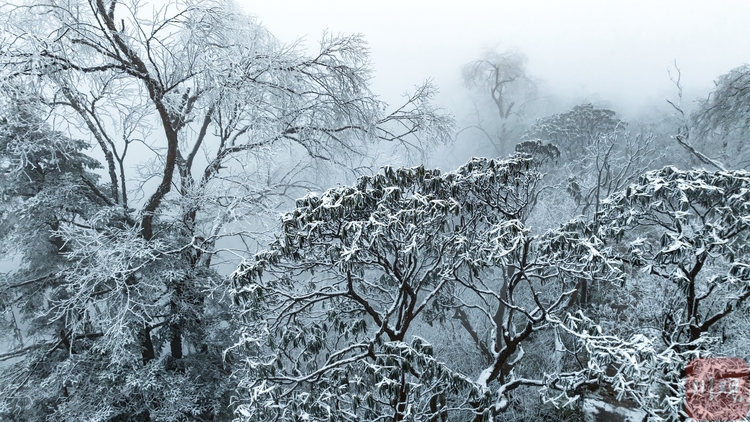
199,222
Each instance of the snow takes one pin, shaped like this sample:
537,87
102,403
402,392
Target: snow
598,410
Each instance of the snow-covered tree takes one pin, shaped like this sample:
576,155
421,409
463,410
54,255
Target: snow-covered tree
684,236
691,229
599,154
339,314
721,123
330,310
575,130
201,121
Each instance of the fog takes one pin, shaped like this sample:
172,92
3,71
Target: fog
617,54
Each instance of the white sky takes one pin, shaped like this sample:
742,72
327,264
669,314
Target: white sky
586,49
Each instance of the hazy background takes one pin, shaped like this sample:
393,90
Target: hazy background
612,53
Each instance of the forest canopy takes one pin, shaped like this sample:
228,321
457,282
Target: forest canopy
145,155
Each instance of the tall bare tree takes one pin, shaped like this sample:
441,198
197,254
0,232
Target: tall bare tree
501,77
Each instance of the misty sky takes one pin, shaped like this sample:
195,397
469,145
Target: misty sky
584,50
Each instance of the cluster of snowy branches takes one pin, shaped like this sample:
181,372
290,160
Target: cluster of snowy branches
330,310
143,150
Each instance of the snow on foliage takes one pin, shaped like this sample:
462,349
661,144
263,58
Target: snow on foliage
688,232
202,123
353,269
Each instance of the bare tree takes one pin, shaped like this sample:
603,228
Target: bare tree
683,129
504,77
